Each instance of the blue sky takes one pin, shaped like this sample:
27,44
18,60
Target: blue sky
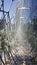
26,12
7,5
34,8
33,11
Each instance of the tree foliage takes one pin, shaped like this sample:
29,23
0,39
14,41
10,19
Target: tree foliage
32,34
